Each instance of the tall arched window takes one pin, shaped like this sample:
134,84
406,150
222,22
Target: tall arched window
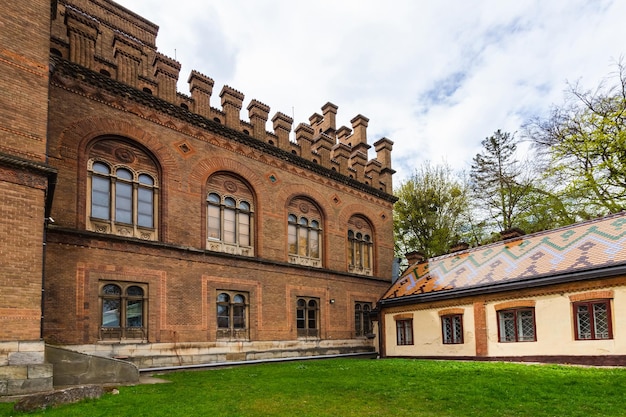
229,215
307,317
123,311
123,190
360,246
232,315
304,233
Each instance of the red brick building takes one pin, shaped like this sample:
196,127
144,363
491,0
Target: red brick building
182,234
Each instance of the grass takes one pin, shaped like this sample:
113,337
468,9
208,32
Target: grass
366,387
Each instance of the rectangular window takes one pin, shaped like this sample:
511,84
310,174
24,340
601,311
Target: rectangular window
123,202
100,197
244,229
293,240
452,329
214,222
517,325
404,332
593,320
145,206
229,226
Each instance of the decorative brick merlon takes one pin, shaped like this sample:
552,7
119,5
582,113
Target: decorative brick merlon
383,152
258,109
328,122
200,82
166,65
359,126
343,133
282,127
304,138
232,101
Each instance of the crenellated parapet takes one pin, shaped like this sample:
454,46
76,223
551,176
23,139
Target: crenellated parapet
109,39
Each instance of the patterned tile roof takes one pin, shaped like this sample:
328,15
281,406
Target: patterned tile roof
581,247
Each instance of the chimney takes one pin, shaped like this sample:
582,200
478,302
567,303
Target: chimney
415,257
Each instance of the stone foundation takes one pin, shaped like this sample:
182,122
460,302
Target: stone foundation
23,369
154,355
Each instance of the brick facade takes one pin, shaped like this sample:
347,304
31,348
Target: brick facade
113,105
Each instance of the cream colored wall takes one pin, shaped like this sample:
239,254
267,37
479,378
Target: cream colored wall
427,337
555,331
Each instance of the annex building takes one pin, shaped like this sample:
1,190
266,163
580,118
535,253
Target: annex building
555,296
164,228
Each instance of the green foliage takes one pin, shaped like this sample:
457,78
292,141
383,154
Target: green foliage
366,387
585,141
430,212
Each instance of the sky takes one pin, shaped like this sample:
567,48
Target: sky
434,77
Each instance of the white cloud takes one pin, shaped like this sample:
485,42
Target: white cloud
434,77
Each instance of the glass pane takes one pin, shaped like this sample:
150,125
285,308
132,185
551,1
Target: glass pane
244,205
239,299
244,229
314,250
315,224
213,231
123,202
101,168
292,219
223,316
100,197
358,256
526,325
223,298
145,179
229,226
357,320
447,329
350,234
458,329
292,240
239,319
367,256
301,303
303,244
313,304
583,322
111,289
134,313
134,291
145,207
303,222
300,322
359,236
229,202
507,326
111,313
214,198
311,314
124,173
601,321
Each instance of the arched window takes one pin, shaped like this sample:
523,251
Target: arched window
307,317
229,215
123,311
360,246
304,233
362,319
122,190
232,315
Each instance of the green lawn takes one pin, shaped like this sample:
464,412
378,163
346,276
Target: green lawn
368,387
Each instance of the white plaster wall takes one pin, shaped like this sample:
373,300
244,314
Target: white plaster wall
427,337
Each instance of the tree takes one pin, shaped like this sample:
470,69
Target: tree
585,141
429,215
499,182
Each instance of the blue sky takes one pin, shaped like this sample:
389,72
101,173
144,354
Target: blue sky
435,77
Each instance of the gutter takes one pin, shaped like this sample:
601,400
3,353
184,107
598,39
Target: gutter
533,282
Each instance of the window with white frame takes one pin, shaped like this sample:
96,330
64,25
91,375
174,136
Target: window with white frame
230,215
517,325
452,329
123,190
592,320
232,315
304,233
360,246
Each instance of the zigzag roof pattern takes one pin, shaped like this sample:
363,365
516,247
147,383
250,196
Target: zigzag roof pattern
586,246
